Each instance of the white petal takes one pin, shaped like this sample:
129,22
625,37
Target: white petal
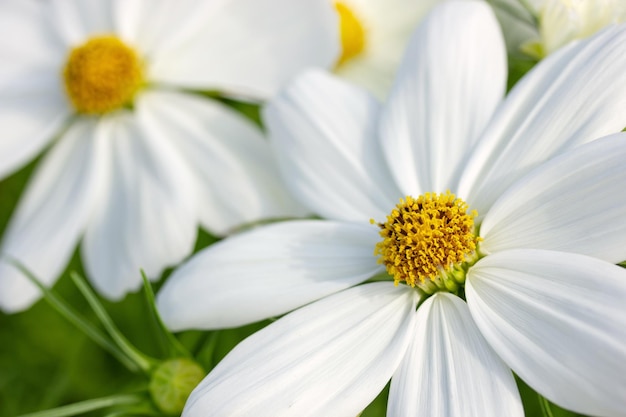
324,133
572,97
237,176
32,103
388,26
452,78
559,321
53,213
450,370
77,20
330,358
148,218
37,51
267,272
573,203
28,124
288,37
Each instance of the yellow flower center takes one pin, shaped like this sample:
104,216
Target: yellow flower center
352,33
102,75
428,241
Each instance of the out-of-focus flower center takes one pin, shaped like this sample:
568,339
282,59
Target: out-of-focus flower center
428,241
102,75
352,33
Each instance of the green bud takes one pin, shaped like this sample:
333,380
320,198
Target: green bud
172,382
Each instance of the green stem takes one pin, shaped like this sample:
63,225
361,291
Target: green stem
142,361
176,348
86,406
546,410
75,318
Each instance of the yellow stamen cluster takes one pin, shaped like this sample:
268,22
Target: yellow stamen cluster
352,33
102,75
426,237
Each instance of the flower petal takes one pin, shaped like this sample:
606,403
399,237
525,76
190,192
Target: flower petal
76,20
148,217
573,203
53,213
237,176
559,321
572,97
288,37
329,358
388,27
32,104
39,52
267,272
29,123
450,370
324,133
452,78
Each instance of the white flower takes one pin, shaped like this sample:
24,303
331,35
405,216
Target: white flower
374,34
135,182
540,27
543,296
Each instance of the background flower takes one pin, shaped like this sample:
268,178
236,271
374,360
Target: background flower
139,160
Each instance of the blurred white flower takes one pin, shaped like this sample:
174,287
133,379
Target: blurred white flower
540,27
374,34
539,196
138,160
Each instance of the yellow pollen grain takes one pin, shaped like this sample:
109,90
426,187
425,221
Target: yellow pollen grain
102,75
425,235
352,34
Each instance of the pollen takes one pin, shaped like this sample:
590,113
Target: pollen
426,237
352,33
102,75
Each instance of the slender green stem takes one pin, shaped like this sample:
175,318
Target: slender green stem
75,318
144,362
208,348
546,409
86,406
176,348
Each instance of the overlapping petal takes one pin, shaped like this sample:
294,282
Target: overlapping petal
388,26
574,96
76,20
288,37
329,358
452,78
324,134
450,370
32,105
148,216
53,213
573,203
267,272
557,319
237,180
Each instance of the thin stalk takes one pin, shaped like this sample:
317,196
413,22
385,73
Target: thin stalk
86,406
71,315
142,361
546,410
176,348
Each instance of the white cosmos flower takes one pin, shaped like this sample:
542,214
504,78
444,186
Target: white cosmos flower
374,34
540,27
135,182
542,294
